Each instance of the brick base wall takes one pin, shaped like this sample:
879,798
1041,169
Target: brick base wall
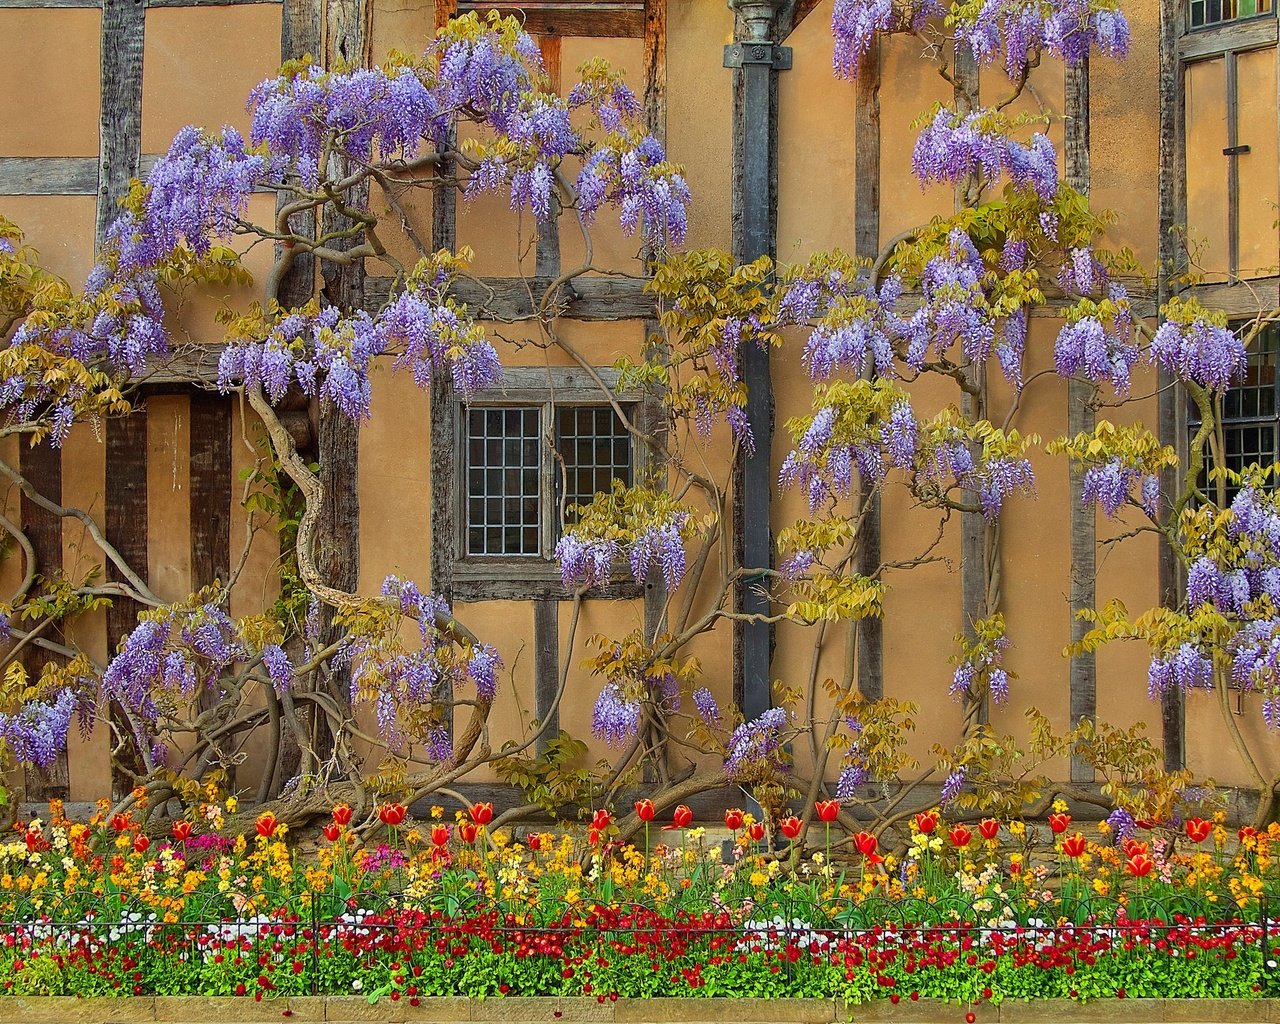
353,1009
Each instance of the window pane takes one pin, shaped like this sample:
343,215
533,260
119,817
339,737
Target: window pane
596,450
503,511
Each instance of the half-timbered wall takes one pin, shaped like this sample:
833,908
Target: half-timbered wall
97,87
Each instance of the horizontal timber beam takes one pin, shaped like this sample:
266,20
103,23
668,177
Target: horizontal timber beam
599,19
56,175
55,4
508,299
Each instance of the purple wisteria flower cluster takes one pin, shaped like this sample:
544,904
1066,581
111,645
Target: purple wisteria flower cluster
954,306
397,681
954,146
857,324
651,535
1111,482
330,356
756,745
1200,351
1022,29
1019,29
37,732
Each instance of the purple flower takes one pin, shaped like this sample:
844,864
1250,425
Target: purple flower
708,709
1202,352
756,742
953,785
614,717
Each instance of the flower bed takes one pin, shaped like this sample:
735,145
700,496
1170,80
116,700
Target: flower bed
971,917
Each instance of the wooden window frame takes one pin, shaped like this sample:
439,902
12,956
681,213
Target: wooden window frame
529,577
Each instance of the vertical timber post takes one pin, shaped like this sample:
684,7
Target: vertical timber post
1081,417
866,245
1171,401
120,157
757,59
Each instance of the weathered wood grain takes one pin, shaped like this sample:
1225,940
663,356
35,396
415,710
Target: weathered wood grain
1081,417
120,125
509,299
866,236
546,666
126,524
598,19
42,466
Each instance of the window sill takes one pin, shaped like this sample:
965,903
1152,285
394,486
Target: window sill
1215,40
512,580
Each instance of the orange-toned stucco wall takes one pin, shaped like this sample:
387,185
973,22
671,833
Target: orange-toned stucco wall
200,63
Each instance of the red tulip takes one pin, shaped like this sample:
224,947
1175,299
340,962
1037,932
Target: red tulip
1132,847
926,822
342,814
828,810
332,831
866,843
645,810
593,836
1139,865
392,814
1248,832
534,841
682,816
121,822
988,828
1198,829
1074,846
1058,823
756,831
467,831
481,814
181,831
601,820
790,826
36,843
266,824
440,834
141,844
733,818
960,836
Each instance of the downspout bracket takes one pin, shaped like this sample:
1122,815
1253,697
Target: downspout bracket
737,55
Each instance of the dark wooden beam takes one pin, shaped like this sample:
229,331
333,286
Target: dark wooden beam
866,235
126,523
580,18
546,667
120,125
210,494
1238,36
513,298
42,466
1171,404
1081,418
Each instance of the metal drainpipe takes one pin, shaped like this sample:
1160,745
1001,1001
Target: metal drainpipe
759,58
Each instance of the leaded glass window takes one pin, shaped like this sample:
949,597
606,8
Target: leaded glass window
1203,13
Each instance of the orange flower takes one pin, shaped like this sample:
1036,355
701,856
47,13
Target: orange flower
645,810
733,819
266,824
467,831
342,814
960,836
1198,829
440,834
1059,823
481,814
181,831
989,828
828,810
790,826
1074,846
121,822
392,814
926,822
1139,865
